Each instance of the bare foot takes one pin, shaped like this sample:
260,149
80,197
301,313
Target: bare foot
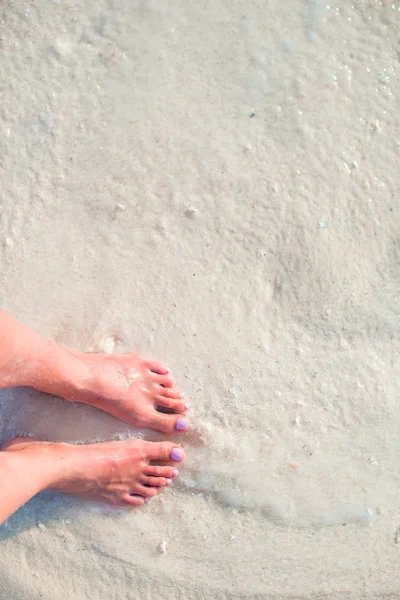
119,473
130,387
138,391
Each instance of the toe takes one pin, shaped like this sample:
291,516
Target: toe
147,492
165,380
156,481
168,423
170,393
163,451
134,499
157,472
157,367
177,405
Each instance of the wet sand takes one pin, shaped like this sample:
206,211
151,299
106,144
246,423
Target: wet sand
215,185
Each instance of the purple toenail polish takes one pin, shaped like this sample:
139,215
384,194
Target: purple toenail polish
176,454
187,405
175,473
181,424
146,499
169,481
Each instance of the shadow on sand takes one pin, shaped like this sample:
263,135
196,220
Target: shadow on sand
45,508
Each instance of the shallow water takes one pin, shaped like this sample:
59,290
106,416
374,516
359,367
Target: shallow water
215,185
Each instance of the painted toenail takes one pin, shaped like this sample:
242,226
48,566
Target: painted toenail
187,405
181,424
177,454
181,395
175,473
169,481
146,499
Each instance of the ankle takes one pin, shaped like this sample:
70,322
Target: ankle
19,348
56,371
22,363
40,467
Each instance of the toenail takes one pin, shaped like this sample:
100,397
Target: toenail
175,473
181,395
187,405
146,499
176,454
181,424
168,481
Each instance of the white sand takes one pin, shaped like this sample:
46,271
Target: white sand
144,207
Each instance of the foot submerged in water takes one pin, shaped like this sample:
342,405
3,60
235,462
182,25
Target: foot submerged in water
119,473
136,390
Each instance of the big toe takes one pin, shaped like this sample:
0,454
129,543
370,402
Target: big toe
165,452
169,423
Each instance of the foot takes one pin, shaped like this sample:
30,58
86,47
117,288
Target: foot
119,473
133,389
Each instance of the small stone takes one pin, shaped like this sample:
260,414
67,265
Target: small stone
375,125
61,48
121,206
162,547
191,212
324,224
108,344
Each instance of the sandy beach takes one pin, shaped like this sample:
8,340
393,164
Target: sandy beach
215,185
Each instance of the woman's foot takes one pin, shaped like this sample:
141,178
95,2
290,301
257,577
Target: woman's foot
119,473
129,387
